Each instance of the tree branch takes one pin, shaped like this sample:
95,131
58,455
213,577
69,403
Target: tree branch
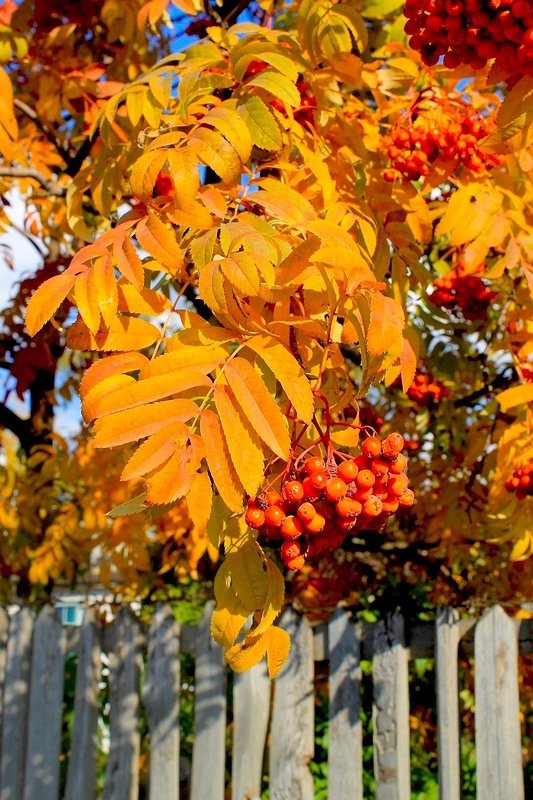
29,172
28,237
32,114
20,427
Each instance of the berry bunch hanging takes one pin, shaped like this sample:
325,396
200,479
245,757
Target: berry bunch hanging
426,389
448,137
521,481
473,32
319,502
466,292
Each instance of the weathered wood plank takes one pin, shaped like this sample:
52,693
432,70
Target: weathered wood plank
162,702
81,774
292,731
123,642
498,750
447,634
45,708
208,758
251,709
16,698
4,628
345,741
391,711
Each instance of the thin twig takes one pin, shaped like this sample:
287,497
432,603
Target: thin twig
32,114
29,172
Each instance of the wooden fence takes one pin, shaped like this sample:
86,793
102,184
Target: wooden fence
278,717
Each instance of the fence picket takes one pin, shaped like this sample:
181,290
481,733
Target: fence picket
81,774
162,702
447,635
208,760
15,704
4,628
251,709
498,749
345,741
122,769
391,711
292,731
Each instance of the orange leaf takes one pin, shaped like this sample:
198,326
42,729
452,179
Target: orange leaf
171,481
124,333
46,300
288,372
386,325
143,301
138,423
153,452
258,405
219,461
243,445
200,501
149,391
159,240
87,301
94,396
112,365
408,364
203,359
128,262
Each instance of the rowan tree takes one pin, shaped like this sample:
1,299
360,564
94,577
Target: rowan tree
287,266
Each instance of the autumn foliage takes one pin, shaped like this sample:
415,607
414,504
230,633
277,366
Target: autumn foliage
287,268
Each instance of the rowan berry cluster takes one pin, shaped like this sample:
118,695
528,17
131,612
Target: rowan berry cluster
473,32
426,389
521,481
322,501
447,138
458,290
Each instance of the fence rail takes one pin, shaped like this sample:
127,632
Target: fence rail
277,717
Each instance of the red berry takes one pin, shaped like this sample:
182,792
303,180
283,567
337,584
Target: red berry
365,479
306,512
316,524
392,445
335,489
373,506
274,516
371,447
273,498
347,471
291,550
348,508
310,490
293,492
254,518
314,464
319,480
291,527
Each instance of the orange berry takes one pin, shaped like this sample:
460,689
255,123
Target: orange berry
407,499
348,508
379,467
362,462
390,505
274,516
365,479
373,506
291,549
371,447
310,490
347,471
291,527
273,498
392,445
314,464
254,518
398,465
316,524
306,512
398,484
296,563
363,494
335,489
293,492
319,480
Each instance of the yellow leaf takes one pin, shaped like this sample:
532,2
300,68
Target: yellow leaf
258,405
145,301
245,655
144,173
102,284
287,371
87,301
260,121
277,85
159,240
244,448
216,152
408,359
274,598
124,333
233,127
278,649
46,300
219,461
200,502
138,423
153,452
149,390
112,365
128,262
515,396
93,397
523,548
242,273
248,574
283,202
386,325
172,480
203,358
7,114
226,625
